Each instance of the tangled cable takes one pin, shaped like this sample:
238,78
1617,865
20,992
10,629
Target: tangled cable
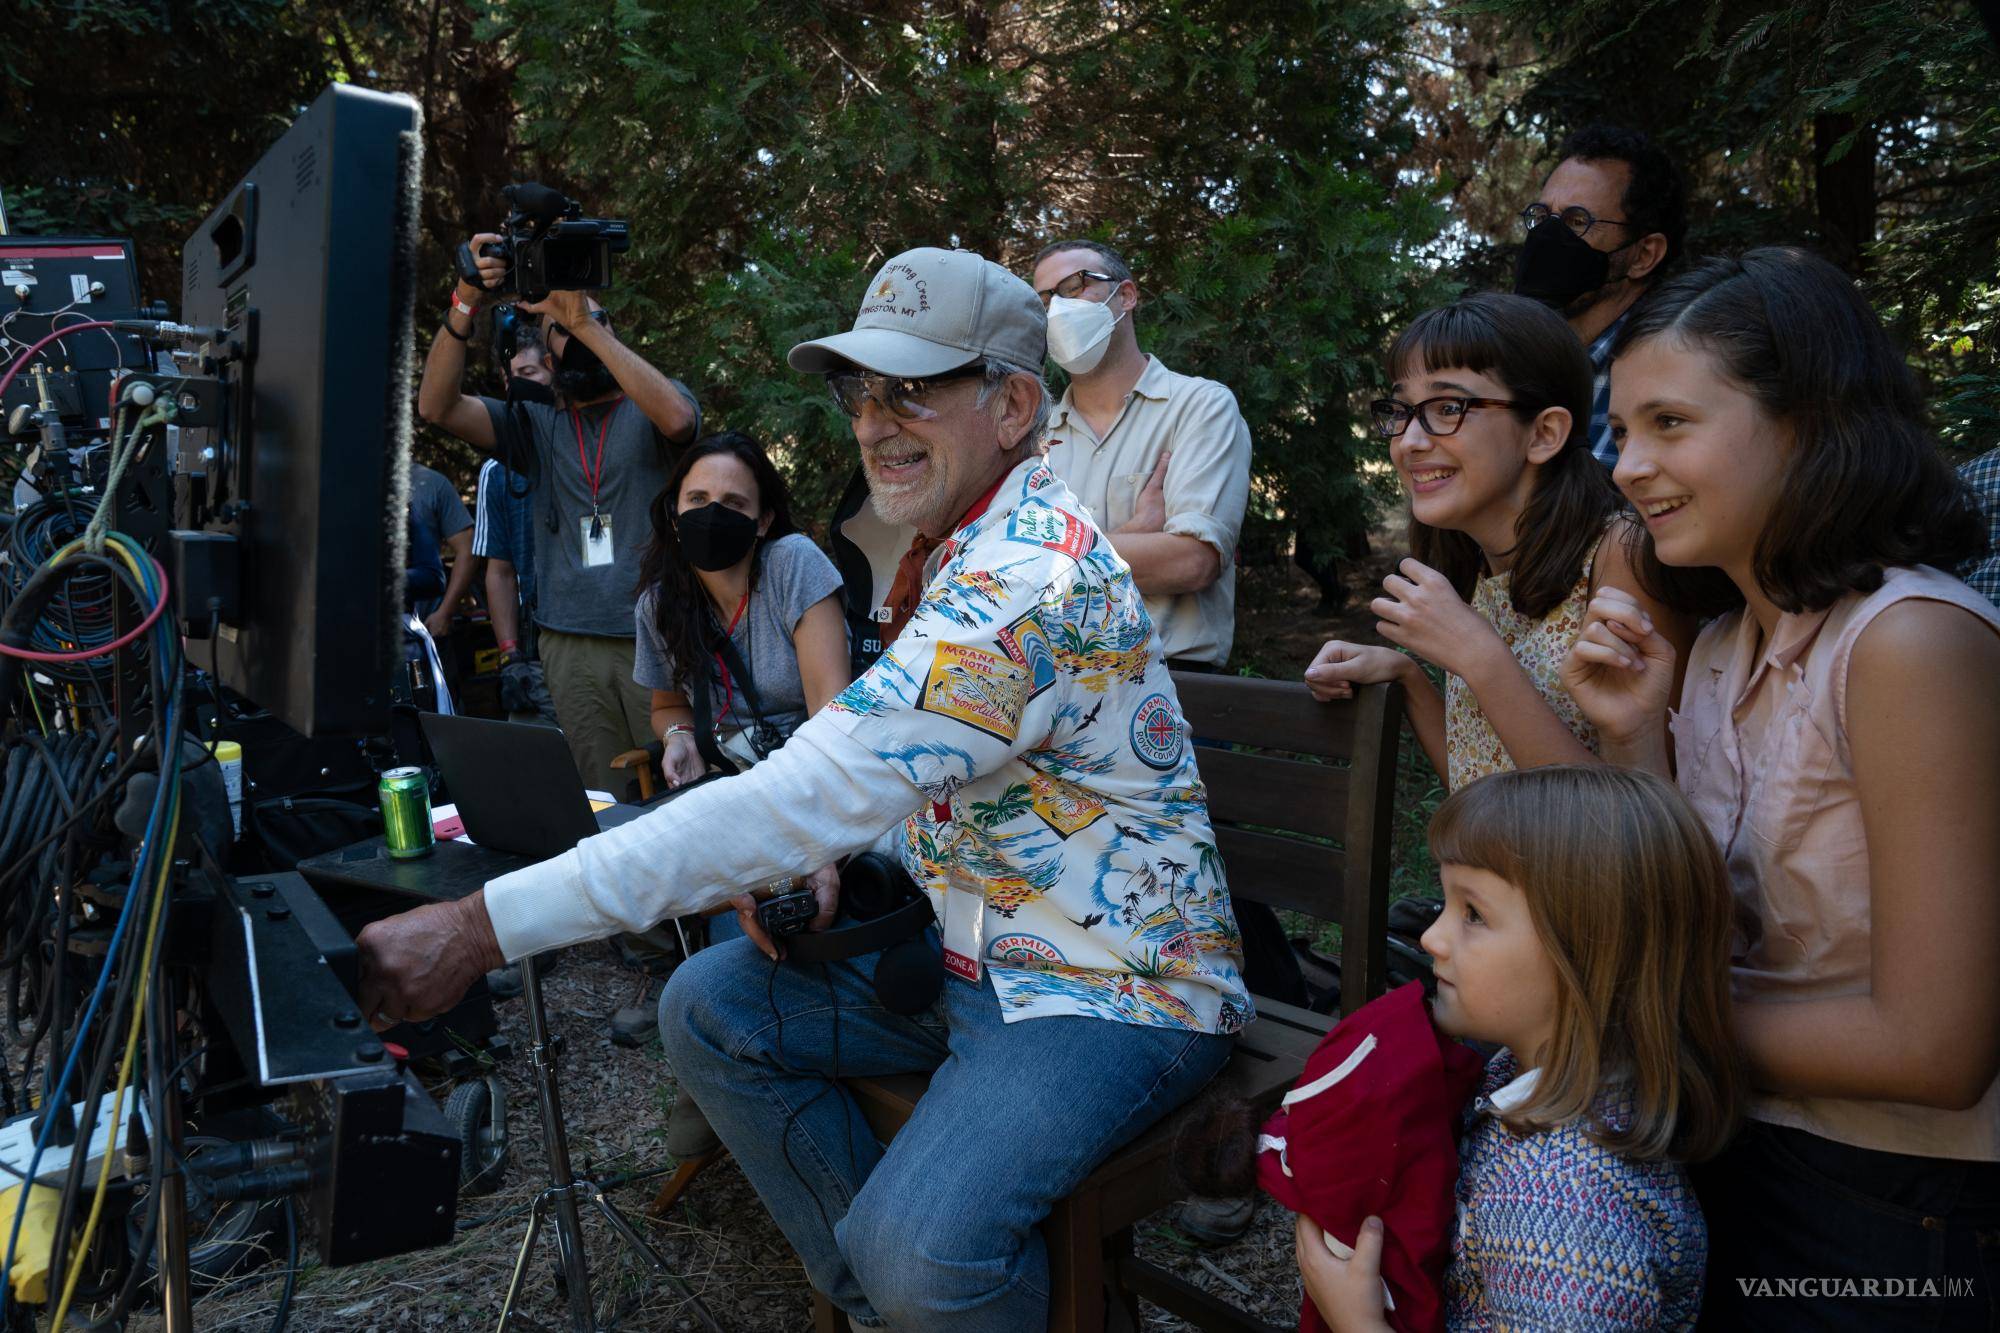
79,618
51,807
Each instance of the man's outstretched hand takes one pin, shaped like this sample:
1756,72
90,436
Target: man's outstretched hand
421,963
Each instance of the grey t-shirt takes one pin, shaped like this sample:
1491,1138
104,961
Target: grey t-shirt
794,576
435,504
436,516
571,595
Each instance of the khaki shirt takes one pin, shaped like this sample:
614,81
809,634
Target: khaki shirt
1208,484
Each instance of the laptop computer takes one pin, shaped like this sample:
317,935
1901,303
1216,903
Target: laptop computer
516,785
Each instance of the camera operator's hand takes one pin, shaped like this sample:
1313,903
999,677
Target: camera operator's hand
825,885
421,963
492,269
567,308
680,760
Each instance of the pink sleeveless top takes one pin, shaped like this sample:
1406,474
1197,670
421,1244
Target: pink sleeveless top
1760,748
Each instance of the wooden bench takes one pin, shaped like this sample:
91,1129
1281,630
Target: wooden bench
1279,808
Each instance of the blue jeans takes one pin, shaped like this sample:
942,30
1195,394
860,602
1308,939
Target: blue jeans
940,1230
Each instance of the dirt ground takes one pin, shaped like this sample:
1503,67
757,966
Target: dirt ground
721,1241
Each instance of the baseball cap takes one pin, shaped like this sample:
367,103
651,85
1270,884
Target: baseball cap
928,311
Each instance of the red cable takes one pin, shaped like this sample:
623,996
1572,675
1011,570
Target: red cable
112,647
25,357
151,616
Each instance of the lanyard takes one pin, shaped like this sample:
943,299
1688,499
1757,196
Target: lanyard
728,700
593,477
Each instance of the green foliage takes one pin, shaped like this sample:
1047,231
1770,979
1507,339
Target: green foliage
1243,156
127,119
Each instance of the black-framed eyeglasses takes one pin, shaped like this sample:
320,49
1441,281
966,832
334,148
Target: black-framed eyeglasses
903,399
1576,217
1072,286
1440,416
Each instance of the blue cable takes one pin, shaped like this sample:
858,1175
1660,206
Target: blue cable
155,831
132,898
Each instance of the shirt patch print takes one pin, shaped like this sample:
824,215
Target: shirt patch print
983,690
1024,951
1159,737
1028,644
1063,806
1043,525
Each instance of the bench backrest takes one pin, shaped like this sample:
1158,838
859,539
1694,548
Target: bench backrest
1301,794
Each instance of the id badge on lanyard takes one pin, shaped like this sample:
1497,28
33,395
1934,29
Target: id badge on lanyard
964,909
594,528
596,533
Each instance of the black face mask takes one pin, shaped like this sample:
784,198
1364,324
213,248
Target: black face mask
582,375
715,537
529,391
1557,265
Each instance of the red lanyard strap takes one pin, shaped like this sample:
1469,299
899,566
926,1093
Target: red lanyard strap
593,477
728,703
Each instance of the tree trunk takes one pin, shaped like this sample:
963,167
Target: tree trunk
1844,189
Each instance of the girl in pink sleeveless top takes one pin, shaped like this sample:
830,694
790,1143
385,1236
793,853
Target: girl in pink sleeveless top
1839,733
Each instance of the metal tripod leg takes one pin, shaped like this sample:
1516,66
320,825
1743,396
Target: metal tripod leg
507,1316
564,1189
618,1222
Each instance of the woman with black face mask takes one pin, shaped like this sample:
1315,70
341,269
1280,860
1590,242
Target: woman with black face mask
735,602
740,634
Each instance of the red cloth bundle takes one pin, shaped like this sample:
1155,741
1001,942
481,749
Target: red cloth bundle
1370,1130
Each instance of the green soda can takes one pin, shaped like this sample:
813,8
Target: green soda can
406,813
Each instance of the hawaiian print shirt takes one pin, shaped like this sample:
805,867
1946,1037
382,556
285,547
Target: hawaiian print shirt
1028,699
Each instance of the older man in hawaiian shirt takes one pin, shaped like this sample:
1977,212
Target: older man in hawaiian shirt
1025,731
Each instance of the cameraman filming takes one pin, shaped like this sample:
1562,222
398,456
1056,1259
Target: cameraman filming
597,464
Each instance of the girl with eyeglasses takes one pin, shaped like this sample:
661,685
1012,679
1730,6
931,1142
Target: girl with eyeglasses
1514,526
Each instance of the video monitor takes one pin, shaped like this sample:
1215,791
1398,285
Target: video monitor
307,266
52,283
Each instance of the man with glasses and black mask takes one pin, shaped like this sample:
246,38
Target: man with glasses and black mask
597,464
1122,419
1608,225
1024,730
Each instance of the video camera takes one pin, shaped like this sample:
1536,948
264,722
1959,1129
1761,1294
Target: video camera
549,245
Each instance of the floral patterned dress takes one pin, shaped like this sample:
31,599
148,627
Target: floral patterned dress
1472,747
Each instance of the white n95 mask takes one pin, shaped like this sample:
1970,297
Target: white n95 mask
1080,332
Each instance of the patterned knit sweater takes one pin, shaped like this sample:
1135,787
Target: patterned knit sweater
1556,1232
